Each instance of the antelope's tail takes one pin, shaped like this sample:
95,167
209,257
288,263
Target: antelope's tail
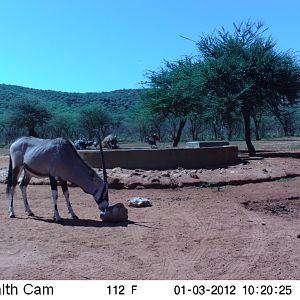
9,177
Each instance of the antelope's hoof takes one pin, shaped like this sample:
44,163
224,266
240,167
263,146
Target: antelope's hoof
31,214
12,216
56,220
74,217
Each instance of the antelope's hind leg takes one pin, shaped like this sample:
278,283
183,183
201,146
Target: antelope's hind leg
23,187
64,187
11,190
53,183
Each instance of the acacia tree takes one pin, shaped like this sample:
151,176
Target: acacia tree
62,124
146,122
29,114
286,118
242,69
171,93
96,121
195,125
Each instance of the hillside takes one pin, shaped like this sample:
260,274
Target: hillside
116,102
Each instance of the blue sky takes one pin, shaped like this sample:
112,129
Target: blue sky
104,45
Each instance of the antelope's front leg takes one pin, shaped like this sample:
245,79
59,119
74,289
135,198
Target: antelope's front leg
64,187
53,183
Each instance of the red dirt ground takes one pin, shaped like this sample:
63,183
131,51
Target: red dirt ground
246,231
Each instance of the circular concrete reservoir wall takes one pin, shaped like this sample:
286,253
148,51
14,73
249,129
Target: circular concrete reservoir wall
163,159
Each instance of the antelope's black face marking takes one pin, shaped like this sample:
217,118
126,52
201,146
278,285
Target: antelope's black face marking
101,197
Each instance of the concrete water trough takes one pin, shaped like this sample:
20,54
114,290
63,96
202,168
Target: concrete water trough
163,159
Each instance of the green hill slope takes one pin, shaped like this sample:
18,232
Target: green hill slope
116,102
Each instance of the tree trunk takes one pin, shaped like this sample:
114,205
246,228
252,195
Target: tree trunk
285,130
257,136
251,149
32,132
257,127
215,130
194,130
229,135
179,132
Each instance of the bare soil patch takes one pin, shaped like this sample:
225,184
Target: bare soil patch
280,207
245,231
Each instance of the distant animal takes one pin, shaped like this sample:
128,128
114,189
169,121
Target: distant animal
58,160
80,144
83,143
95,143
152,140
110,142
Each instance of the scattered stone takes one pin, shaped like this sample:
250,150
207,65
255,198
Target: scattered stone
115,183
173,183
165,175
132,185
194,175
140,187
115,213
115,170
155,180
176,175
135,174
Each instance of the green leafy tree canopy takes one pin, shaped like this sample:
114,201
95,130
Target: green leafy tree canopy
95,121
244,73
29,114
172,92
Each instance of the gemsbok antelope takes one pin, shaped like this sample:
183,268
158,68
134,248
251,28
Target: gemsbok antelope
58,160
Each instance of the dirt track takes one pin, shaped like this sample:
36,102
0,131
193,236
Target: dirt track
234,232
